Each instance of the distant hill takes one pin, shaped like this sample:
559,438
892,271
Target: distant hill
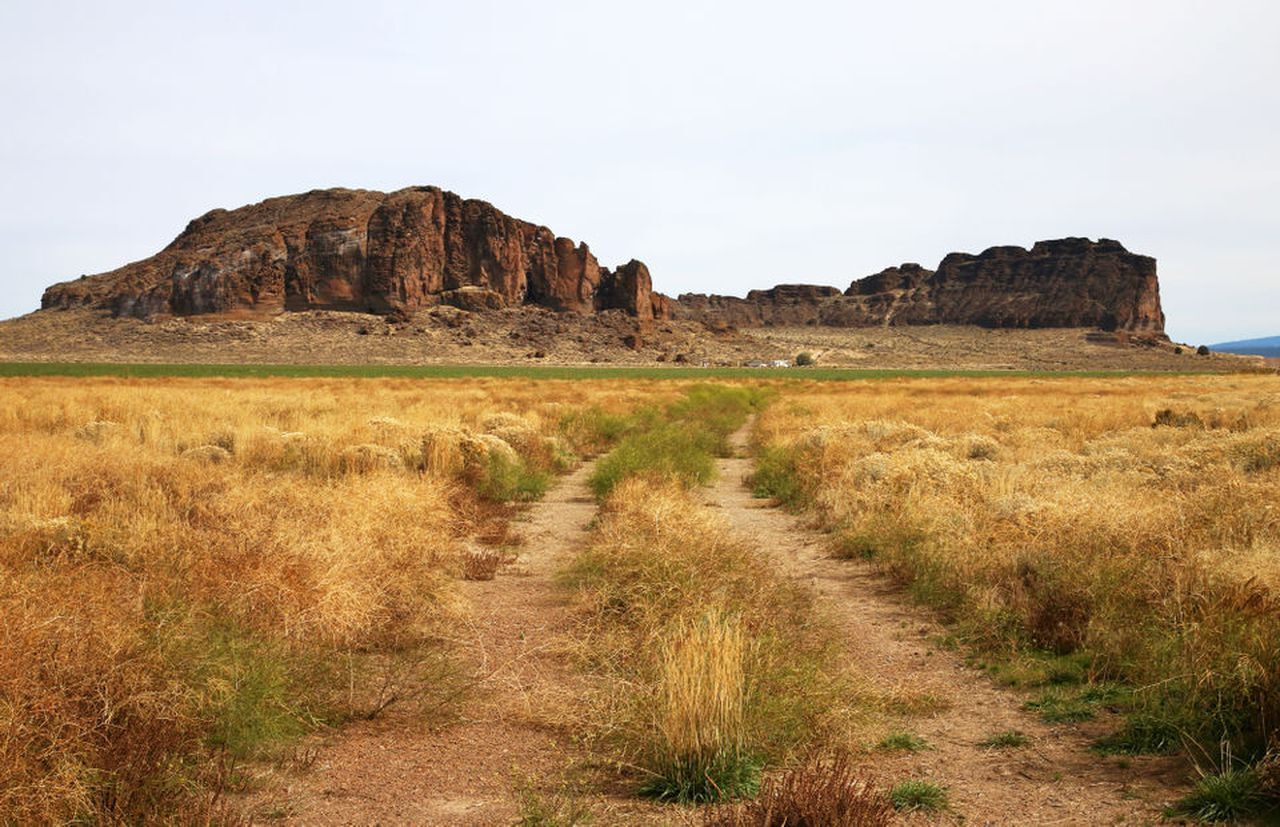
1269,346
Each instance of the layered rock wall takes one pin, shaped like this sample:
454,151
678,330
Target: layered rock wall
360,250
1072,282
394,252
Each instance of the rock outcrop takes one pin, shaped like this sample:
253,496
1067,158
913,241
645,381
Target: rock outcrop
345,249
1072,282
394,253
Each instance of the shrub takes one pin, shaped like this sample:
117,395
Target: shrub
559,809
818,793
775,476
591,429
1055,609
1203,350
482,564
682,444
1173,419
508,478
804,359
212,454
364,459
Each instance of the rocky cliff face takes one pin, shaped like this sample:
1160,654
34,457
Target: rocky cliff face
419,247
360,250
1073,282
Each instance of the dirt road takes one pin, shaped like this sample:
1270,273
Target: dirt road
1055,779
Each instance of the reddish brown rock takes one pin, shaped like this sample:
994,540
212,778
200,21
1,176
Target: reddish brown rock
1072,282
360,250
473,298
628,288
393,253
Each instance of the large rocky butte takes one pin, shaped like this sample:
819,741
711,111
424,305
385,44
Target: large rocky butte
397,252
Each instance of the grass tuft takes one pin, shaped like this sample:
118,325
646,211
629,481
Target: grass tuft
482,564
700,747
914,795
1226,796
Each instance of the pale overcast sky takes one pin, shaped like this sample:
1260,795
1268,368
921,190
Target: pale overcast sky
729,145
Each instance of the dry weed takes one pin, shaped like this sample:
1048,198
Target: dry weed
816,794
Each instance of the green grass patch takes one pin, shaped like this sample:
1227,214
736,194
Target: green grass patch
508,480
670,450
1056,707
902,742
727,776
1032,669
1142,734
911,796
1012,739
682,442
775,477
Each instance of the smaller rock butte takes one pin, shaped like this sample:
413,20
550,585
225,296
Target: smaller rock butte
1072,282
342,249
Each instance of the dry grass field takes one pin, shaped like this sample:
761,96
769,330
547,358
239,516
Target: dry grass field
195,573
192,572
1110,542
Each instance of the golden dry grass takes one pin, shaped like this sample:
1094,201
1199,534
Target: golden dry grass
192,571
1135,519
709,660
700,715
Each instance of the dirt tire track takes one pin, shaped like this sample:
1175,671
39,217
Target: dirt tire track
1055,780
398,771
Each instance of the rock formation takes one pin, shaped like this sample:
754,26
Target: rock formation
359,250
1073,282
393,253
